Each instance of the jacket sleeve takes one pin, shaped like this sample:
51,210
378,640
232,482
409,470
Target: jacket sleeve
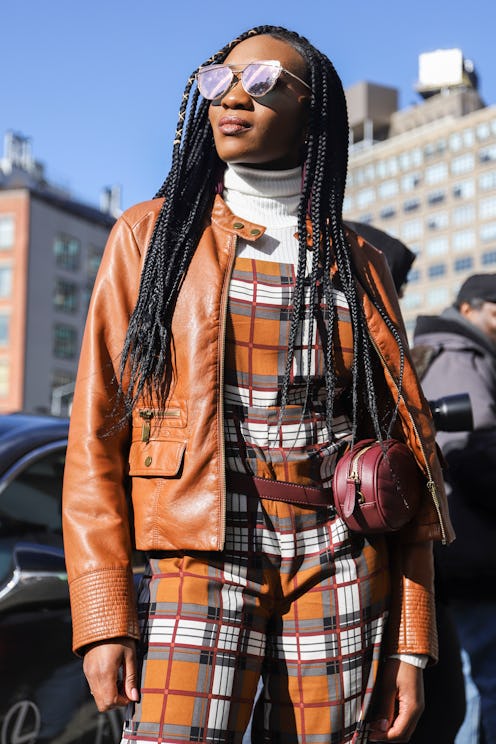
412,620
95,513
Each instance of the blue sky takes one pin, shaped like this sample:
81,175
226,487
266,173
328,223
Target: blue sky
96,84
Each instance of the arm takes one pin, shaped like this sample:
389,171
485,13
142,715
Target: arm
95,514
398,698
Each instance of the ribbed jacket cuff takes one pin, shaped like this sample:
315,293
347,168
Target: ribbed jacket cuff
103,606
417,631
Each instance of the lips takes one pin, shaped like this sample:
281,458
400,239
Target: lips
232,125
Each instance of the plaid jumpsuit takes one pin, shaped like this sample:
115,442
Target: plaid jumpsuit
294,599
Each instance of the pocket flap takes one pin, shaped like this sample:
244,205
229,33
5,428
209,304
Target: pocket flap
156,457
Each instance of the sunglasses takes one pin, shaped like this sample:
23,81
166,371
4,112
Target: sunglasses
257,78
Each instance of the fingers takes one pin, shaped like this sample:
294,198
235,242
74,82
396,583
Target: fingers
399,702
131,674
102,665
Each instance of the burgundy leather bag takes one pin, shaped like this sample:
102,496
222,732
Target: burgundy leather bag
377,486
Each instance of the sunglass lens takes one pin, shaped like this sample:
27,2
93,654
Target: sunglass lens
214,81
259,79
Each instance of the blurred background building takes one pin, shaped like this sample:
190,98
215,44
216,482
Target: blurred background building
50,250
427,175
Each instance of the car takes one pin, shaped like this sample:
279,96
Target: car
45,696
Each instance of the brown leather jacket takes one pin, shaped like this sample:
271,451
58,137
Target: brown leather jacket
173,458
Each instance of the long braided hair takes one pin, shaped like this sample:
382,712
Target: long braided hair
189,190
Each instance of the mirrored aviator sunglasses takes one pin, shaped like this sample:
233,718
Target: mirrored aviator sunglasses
257,78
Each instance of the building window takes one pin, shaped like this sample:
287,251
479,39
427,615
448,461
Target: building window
438,221
488,258
410,181
487,154
487,208
388,188
487,181
468,137
438,296
4,378
488,232
65,342
365,197
430,150
462,164
436,197
4,329
464,189
412,229
436,173
392,166
411,300
455,142
413,276
405,161
411,205
65,296
94,260
366,218
6,231
5,281
67,252
463,264
483,131
417,157
463,214
436,270
387,213
381,169
463,240
347,207
62,393
437,246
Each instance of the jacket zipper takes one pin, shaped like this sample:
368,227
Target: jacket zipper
431,486
232,241
148,413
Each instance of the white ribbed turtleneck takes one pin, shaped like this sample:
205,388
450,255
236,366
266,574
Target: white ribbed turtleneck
268,198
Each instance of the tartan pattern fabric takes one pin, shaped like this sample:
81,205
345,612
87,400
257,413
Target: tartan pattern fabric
294,597
300,450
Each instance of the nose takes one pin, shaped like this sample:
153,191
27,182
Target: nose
236,97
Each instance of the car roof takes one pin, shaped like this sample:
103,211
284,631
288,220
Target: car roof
22,432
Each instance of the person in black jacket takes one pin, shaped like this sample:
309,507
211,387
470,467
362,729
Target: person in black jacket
461,345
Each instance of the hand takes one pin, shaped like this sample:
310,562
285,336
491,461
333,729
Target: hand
398,702
102,664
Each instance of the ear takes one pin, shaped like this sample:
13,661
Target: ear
465,309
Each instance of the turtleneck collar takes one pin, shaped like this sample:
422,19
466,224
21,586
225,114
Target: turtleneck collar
270,198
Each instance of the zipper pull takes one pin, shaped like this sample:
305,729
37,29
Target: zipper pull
147,416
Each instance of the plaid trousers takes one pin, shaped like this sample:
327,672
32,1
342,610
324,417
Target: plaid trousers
295,599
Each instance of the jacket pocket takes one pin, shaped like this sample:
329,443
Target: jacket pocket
156,457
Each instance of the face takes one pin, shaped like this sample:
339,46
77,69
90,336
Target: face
266,132
484,317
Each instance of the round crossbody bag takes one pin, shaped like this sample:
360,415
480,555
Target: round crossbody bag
377,486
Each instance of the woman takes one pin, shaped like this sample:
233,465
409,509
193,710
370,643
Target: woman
228,360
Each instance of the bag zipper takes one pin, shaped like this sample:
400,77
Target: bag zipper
353,472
